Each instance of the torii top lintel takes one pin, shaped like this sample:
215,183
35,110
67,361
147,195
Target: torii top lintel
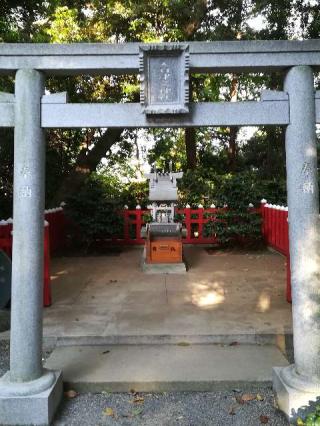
101,58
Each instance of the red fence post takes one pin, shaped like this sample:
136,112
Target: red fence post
200,223
283,230
276,233
138,223
267,224
126,235
263,203
278,228
9,231
187,212
273,225
5,237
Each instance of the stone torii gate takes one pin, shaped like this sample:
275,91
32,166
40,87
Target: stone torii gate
28,393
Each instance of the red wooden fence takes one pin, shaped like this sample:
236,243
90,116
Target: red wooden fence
57,228
54,239
193,219
6,245
275,231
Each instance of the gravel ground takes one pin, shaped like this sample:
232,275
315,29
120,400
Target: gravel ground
166,409
4,357
222,408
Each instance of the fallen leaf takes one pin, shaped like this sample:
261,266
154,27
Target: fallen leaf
259,397
248,397
108,412
239,400
183,344
137,411
70,394
264,419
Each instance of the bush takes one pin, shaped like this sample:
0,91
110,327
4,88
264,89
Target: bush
235,227
135,193
95,209
238,224
206,187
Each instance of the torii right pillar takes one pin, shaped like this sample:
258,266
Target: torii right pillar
295,386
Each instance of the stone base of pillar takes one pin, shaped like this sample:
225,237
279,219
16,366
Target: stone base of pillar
31,409
293,402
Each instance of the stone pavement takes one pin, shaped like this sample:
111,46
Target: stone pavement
163,368
223,297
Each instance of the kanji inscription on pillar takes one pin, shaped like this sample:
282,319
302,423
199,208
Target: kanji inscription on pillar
164,76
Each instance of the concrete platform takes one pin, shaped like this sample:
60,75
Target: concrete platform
148,368
224,297
163,268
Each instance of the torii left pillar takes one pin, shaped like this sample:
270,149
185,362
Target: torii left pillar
29,394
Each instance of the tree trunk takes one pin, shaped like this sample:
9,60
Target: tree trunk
86,163
191,147
232,149
190,139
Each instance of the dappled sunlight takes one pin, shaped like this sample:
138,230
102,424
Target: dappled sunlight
311,152
53,277
207,296
58,275
62,272
122,300
264,301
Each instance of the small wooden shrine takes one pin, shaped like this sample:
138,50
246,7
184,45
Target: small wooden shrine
163,235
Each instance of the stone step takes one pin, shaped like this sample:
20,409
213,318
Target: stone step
159,368
283,340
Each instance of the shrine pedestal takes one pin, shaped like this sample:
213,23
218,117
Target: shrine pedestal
162,268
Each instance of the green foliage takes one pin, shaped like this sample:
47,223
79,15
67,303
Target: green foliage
311,419
135,193
239,223
95,209
235,227
64,27
147,218
260,163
